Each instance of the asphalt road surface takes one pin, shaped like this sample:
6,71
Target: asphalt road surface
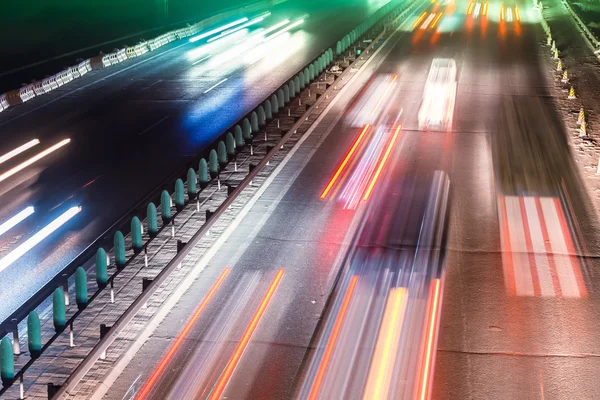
133,125
324,274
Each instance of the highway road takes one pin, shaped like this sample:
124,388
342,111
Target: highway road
132,126
334,287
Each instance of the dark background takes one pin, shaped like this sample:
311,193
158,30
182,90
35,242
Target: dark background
40,37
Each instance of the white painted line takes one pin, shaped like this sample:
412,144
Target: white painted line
202,59
154,125
539,248
215,85
523,280
165,309
564,268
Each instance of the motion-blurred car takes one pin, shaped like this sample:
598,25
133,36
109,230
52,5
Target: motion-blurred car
437,108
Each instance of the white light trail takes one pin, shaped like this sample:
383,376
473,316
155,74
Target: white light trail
33,241
13,221
33,159
217,30
281,32
18,150
237,29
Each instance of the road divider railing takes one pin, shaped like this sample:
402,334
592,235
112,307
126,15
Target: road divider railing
48,84
129,241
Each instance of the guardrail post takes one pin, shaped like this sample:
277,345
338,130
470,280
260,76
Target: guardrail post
230,148
286,94
119,249
101,268
213,166
179,194
112,292
268,109
103,331
136,235
7,362
274,103
152,220
16,344
59,310
280,98
81,290
65,286
238,135
52,390
146,282
203,177
71,337
230,189
165,207
262,117
180,245
254,122
34,335
192,190
251,168
222,155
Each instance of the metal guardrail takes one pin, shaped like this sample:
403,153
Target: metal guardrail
28,92
83,368
587,34
9,325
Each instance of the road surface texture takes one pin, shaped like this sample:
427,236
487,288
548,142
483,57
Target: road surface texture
320,276
583,70
133,125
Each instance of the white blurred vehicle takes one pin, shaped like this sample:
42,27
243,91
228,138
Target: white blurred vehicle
437,108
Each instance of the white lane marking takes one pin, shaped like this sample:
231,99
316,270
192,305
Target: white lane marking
564,268
202,59
143,336
154,125
522,270
542,263
215,85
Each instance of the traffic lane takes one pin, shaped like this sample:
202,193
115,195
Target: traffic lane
484,330
306,249
321,278
128,166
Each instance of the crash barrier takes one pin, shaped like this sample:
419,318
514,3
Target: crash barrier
214,158
588,35
103,61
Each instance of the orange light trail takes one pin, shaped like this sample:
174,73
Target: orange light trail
484,10
237,354
384,94
314,391
343,164
436,20
517,14
502,13
430,338
381,164
418,21
470,9
182,335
